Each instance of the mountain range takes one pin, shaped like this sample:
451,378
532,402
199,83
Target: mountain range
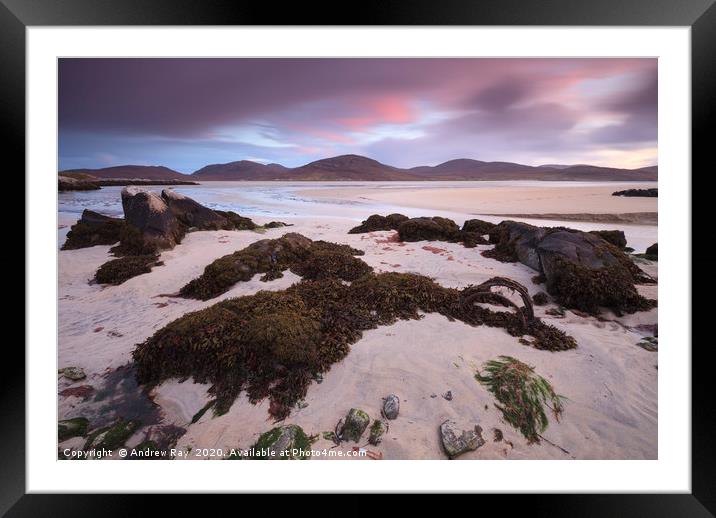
355,167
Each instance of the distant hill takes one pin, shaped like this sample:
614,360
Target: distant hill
130,172
241,170
360,168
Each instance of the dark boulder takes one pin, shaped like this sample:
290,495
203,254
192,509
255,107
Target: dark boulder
377,222
429,229
478,226
93,229
615,237
192,213
516,242
581,269
653,250
151,225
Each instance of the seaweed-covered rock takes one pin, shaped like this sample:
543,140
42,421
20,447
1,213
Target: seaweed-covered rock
153,226
276,224
456,442
391,406
615,237
288,442
309,259
478,226
429,229
354,424
584,272
68,183
75,427
516,242
644,193
377,222
237,222
112,437
262,256
581,269
93,229
116,271
73,373
322,264
377,430
192,213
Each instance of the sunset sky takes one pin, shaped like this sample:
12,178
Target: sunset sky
187,113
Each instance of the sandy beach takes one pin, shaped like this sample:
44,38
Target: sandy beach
610,384
550,199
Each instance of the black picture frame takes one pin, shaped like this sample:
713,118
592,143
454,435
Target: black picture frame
700,15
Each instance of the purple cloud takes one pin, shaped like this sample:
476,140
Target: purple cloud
185,113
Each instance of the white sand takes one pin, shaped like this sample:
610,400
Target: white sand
610,383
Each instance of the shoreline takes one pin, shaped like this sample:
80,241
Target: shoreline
628,218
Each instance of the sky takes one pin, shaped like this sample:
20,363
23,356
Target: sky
188,113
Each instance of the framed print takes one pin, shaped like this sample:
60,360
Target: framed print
422,243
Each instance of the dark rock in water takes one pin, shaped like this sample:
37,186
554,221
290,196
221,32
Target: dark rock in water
615,237
192,213
456,442
288,442
377,222
93,229
653,250
478,226
391,406
73,373
354,425
540,298
448,395
644,193
429,229
237,222
113,436
581,270
76,427
377,430
119,270
152,226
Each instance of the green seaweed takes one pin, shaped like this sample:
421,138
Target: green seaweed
522,395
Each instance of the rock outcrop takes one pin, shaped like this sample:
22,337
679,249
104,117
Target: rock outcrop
377,222
151,225
192,213
581,270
